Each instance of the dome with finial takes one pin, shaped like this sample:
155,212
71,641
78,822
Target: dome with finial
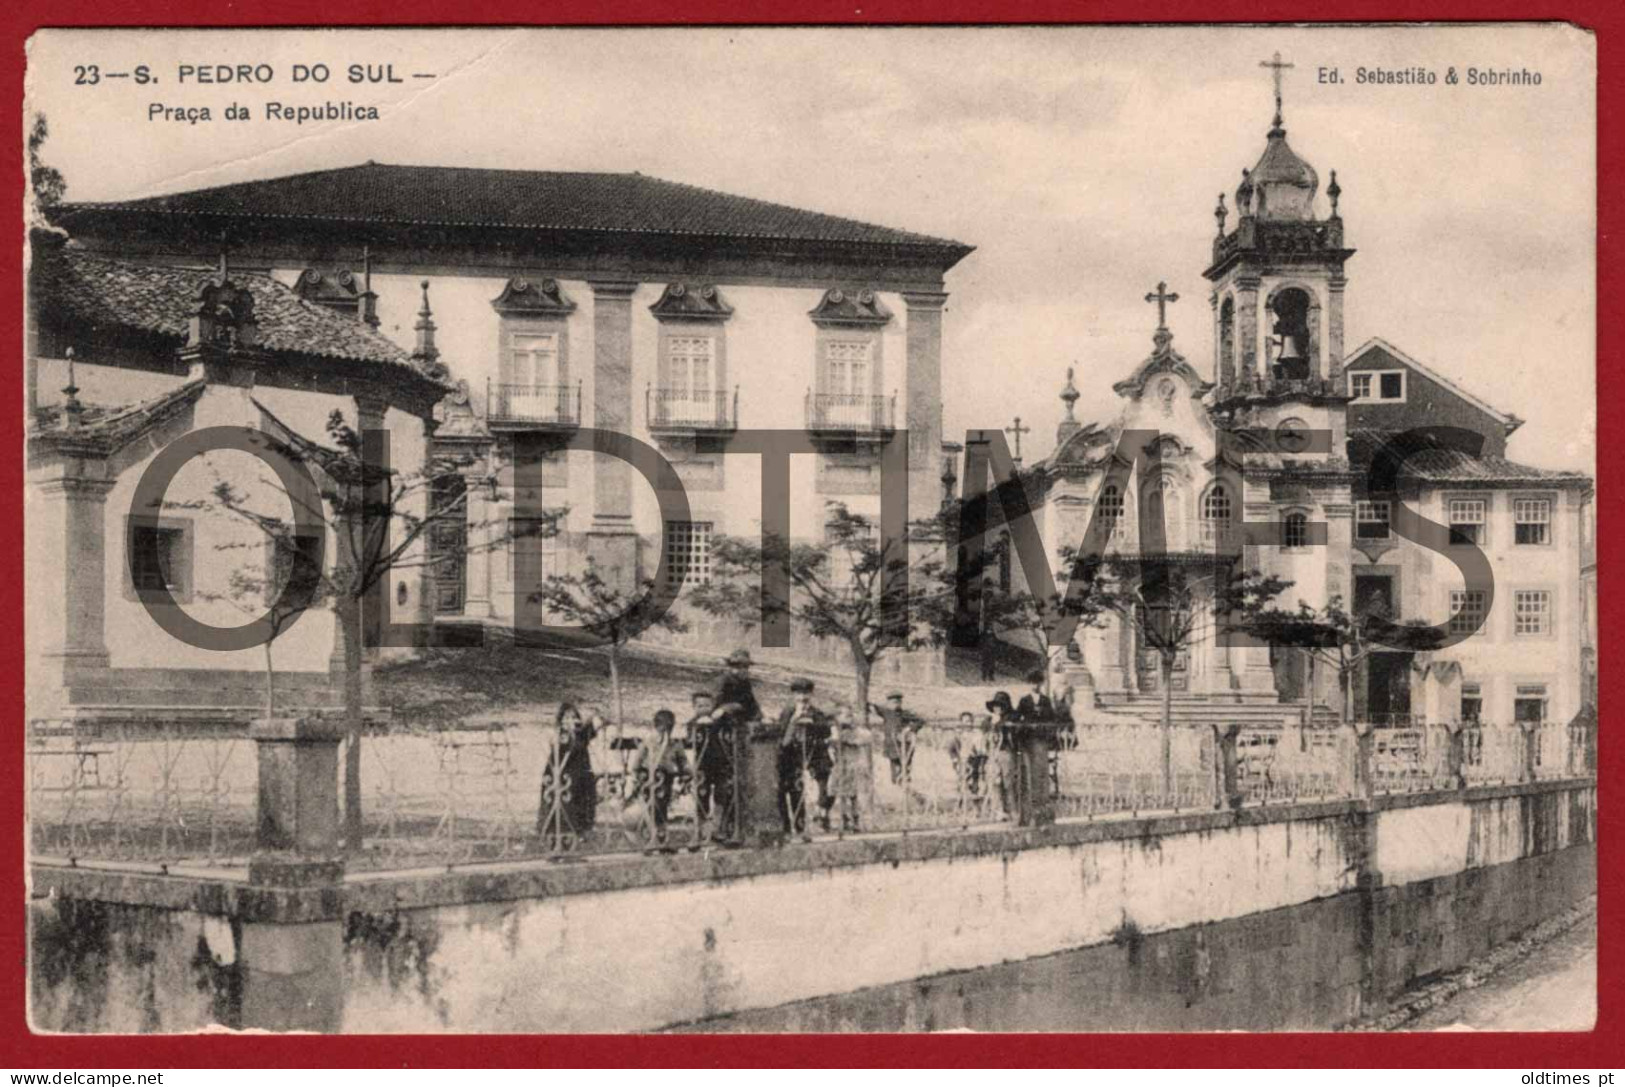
1285,184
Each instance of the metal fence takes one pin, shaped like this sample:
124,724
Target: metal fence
140,792
495,790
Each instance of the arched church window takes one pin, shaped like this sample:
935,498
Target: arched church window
1291,334
1162,517
1295,533
1110,508
1227,340
1216,515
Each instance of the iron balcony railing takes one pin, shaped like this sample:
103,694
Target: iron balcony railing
690,409
851,413
543,405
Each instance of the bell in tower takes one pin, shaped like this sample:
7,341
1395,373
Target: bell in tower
1291,335
1277,275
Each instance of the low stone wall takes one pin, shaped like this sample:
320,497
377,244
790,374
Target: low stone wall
1301,916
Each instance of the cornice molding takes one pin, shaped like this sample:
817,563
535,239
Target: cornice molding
681,302
523,297
844,308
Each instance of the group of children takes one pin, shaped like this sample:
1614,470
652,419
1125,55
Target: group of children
834,749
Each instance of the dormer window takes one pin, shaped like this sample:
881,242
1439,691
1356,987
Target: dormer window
1377,386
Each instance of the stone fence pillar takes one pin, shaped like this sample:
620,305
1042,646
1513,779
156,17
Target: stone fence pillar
1531,748
757,776
298,834
1226,767
1364,746
1035,804
1455,754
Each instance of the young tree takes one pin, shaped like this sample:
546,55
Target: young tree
608,613
279,591
371,512
1037,616
1171,606
840,589
1343,639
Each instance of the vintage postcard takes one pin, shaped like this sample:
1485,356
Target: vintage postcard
915,529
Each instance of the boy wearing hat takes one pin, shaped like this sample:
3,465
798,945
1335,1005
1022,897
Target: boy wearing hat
655,768
712,738
899,729
1002,726
735,697
803,748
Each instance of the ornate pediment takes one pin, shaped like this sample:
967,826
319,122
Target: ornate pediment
341,289
842,307
533,298
1164,360
679,301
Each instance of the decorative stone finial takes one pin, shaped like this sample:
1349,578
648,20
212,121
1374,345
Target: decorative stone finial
1220,213
1333,191
426,355
1244,194
71,408
1069,395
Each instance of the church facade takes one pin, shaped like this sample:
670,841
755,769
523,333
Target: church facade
1296,457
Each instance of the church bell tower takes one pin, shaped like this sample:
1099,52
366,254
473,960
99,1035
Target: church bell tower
1278,277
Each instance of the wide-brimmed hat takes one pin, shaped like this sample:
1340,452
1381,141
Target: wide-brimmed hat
1001,701
894,694
801,685
702,694
739,656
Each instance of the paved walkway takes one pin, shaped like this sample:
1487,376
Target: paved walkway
1555,988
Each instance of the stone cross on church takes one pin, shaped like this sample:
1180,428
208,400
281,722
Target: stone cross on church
1278,66
1161,296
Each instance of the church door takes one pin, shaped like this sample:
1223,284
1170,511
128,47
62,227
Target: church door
1149,662
448,546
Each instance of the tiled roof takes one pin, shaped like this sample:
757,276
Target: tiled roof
98,292
534,199
116,426
1452,466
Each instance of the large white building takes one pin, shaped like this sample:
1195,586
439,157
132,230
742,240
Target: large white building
557,302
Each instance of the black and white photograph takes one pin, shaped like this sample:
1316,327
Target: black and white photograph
811,530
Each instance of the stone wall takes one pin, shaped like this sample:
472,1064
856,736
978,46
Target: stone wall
1304,916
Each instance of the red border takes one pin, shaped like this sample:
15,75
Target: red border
1603,1048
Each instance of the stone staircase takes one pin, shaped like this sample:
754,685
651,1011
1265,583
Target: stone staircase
1190,712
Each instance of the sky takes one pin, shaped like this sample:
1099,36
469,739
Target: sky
1082,162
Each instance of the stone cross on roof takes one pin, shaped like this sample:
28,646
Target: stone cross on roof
1278,66
1162,297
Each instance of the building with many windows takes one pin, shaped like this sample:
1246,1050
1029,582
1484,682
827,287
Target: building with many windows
559,303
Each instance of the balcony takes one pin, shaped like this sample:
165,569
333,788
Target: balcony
533,407
847,415
682,412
